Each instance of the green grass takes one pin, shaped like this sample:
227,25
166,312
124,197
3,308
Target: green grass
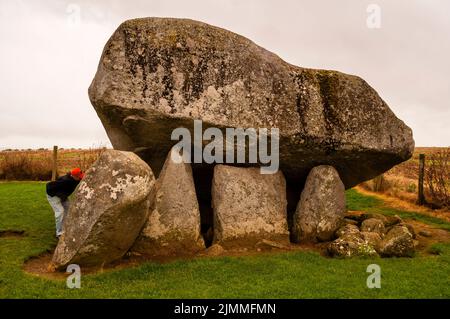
357,201
437,248
285,275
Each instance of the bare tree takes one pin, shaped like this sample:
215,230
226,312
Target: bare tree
437,177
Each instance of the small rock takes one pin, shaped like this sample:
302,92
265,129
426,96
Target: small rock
373,225
357,218
270,244
347,229
351,221
398,242
366,216
372,238
213,250
425,233
350,246
410,228
393,220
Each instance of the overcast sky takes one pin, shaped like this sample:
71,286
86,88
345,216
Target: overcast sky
50,51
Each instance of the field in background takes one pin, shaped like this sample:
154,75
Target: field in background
36,165
402,180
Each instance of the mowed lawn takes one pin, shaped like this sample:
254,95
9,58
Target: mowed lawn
298,274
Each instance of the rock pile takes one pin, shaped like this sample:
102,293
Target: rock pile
374,235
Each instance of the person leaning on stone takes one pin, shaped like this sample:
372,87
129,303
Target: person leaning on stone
58,192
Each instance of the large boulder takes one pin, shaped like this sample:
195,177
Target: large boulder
173,225
321,209
109,210
248,207
157,74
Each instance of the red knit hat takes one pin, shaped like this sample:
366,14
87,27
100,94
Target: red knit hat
77,172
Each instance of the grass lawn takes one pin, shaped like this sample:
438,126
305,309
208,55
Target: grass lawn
299,274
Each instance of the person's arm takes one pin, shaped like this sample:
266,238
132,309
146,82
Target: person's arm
61,195
61,187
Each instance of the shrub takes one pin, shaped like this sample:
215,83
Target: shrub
412,188
437,177
25,166
377,184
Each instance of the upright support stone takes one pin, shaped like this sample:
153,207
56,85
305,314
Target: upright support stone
109,210
321,207
248,207
173,225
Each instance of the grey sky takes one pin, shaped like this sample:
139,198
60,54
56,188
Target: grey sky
48,59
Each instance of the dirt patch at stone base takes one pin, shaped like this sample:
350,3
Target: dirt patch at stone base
39,265
10,233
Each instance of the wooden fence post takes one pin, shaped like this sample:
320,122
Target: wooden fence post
378,183
421,199
55,164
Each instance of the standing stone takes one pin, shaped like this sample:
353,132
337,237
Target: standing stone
248,206
109,210
173,225
322,206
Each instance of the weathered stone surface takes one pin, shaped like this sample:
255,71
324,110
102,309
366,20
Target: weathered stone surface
388,221
248,206
173,224
373,225
372,238
398,242
350,245
381,217
393,220
355,217
410,229
321,208
347,229
109,210
268,244
425,233
156,74
213,250
349,221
